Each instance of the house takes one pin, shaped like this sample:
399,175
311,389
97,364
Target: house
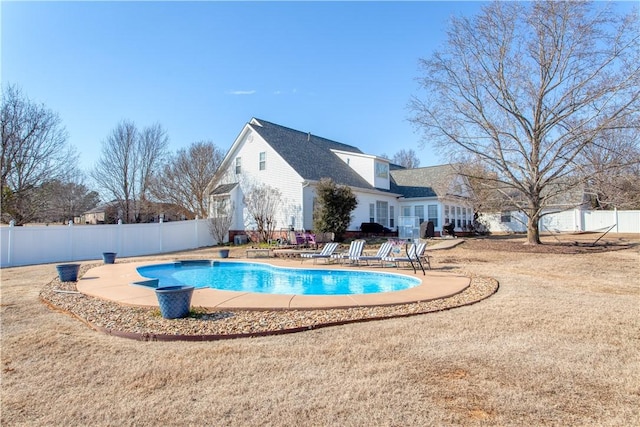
110,212
563,203
102,214
293,162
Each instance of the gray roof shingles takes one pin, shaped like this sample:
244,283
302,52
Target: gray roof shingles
434,178
310,155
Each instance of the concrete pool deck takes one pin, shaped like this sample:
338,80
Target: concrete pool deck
113,282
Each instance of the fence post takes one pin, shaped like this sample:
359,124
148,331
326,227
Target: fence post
615,217
195,245
160,222
119,238
12,225
70,245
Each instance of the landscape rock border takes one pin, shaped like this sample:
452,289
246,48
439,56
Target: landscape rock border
146,324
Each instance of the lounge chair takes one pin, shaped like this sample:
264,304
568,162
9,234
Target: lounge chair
355,250
415,255
383,251
326,253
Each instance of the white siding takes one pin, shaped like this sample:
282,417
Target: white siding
365,166
277,174
492,222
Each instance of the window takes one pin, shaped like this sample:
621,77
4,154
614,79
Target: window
382,170
459,216
432,211
419,212
406,211
238,165
372,212
447,214
382,213
391,217
263,161
219,207
505,216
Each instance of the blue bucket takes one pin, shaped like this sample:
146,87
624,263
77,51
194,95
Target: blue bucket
174,301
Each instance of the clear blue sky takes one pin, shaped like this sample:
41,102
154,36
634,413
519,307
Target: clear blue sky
341,70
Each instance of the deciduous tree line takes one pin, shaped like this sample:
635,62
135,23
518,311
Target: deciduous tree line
41,181
137,171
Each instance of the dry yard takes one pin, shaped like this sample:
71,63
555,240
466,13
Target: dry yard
558,344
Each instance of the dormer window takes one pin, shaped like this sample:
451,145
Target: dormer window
382,170
238,165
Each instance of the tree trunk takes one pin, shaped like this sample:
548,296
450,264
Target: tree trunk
533,230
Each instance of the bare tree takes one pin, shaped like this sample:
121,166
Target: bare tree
527,87
220,219
65,201
184,178
115,170
262,204
486,190
34,152
612,165
406,158
152,148
127,159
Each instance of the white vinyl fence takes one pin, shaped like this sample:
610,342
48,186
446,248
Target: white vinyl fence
574,220
59,243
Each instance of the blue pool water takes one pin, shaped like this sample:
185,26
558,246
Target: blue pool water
264,278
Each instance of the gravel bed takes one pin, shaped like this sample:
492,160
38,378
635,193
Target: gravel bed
148,324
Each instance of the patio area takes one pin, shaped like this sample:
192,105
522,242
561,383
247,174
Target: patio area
113,282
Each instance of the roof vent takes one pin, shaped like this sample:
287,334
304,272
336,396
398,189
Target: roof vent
308,136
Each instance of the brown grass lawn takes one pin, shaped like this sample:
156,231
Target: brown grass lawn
558,344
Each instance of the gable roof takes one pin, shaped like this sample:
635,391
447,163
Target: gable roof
310,155
438,178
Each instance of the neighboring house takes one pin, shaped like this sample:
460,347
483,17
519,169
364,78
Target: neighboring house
294,162
103,214
109,213
562,211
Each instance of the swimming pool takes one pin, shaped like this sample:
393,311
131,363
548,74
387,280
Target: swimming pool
269,279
